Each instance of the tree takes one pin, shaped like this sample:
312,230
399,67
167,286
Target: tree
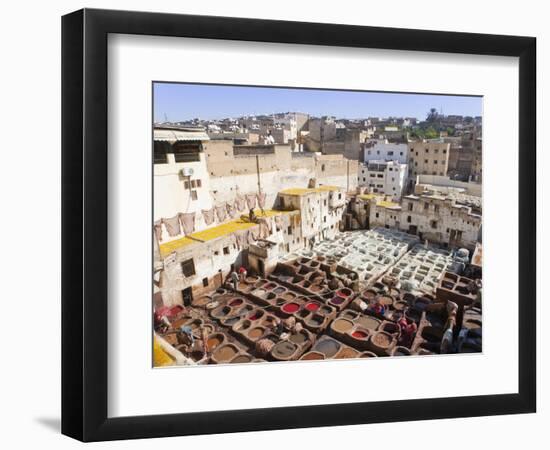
432,115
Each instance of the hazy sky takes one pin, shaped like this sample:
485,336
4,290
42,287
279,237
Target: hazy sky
178,102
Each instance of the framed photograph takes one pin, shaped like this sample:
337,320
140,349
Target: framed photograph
273,225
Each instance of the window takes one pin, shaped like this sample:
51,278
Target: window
188,268
415,164
441,173
377,152
194,195
160,149
436,208
433,223
401,153
390,169
410,206
186,152
205,282
325,202
373,175
380,175
325,219
409,219
435,162
226,250
377,215
186,184
390,153
289,230
323,167
436,150
368,152
340,196
426,206
444,151
425,161
364,179
427,150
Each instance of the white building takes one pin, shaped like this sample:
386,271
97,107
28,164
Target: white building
383,177
382,150
321,210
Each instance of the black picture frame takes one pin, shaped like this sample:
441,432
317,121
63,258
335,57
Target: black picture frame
84,224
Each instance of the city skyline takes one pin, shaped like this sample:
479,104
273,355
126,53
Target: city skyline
176,102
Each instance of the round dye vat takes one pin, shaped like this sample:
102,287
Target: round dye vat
241,359
236,302
369,294
328,347
382,340
214,341
255,333
342,325
298,338
369,322
312,306
289,296
225,352
311,356
344,293
291,308
255,315
346,353
385,300
315,321
337,300
283,350
358,334
269,286
244,325
279,290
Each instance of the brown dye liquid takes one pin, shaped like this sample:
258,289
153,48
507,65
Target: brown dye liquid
299,338
241,359
368,322
255,333
312,356
225,353
213,342
341,325
346,353
381,340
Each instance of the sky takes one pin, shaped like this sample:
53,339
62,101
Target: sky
178,102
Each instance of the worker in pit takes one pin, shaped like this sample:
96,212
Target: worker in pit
252,216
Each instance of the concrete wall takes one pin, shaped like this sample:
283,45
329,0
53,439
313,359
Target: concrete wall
421,211
428,158
381,150
470,188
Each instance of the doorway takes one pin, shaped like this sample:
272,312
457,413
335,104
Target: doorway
187,294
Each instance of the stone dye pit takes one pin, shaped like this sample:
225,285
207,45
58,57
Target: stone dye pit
363,294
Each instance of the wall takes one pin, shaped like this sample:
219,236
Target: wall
428,158
36,424
422,211
381,150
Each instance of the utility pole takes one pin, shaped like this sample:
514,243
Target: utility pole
347,180
258,172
